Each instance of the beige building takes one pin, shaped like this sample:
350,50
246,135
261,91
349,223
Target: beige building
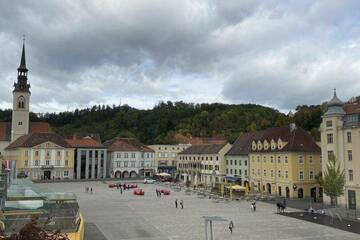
166,157
285,161
42,156
340,138
203,163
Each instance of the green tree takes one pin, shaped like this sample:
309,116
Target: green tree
333,181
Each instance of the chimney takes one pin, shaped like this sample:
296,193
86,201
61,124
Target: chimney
292,127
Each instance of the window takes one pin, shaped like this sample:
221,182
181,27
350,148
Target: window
258,159
271,159
329,138
133,155
57,162
125,163
47,162
66,173
36,153
36,163
301,175
286,160
301,159
231,171
66,153
231,162
20,123
310,159
26,153
126,155
272,173
227,162
235,162
227,171
348,137
264,159
329,123
349,155
133,164
66,162
118,155
26,163
245,163
311,175
217,168
245,172
330,155
58,153
48,153
351,175
21,102
279,173
286,174
118,164
279,159
264,172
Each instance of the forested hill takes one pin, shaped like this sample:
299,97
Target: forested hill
159,124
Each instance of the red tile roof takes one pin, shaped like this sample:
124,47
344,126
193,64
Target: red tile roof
126,145
86,142
5,131
351,108
34,139
203,149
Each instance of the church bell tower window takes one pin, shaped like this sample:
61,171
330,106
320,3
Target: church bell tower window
21,102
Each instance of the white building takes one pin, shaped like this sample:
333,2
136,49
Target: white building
130,158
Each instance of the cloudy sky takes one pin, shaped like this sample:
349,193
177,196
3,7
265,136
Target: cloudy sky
139,52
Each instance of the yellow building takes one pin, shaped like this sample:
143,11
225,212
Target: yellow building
340,138
285,161
42,156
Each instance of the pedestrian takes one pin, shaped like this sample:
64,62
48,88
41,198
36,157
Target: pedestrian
254,204
120,190
182,204
91,190
176,203
157,193
231,226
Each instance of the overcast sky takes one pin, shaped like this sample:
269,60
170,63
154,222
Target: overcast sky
276,53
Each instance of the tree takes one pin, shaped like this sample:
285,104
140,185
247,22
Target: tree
333,181
32,231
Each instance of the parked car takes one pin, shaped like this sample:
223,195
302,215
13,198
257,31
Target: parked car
139,192
148,180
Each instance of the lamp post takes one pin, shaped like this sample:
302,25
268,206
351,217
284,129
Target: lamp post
209,221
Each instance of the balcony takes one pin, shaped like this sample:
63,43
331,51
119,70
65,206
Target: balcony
47,167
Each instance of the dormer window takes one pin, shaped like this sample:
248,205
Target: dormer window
273,144
259,145
253,146
279,144
266,145
21,102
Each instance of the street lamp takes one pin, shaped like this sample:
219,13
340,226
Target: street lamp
210,219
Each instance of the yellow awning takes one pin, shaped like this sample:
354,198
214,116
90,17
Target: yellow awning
238,187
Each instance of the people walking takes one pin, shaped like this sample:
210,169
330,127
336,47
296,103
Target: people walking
254,206
182,204
176,203
91,190
231,226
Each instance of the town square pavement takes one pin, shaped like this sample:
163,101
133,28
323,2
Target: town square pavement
111,215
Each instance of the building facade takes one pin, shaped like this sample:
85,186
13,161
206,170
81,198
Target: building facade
129,158
203,164
284,161
340,139
237,159
42,156
90,159
166,157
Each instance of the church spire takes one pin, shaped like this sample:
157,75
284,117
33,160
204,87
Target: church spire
23,60
22,85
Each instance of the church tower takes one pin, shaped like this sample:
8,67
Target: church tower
21,101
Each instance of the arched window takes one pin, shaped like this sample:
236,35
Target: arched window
21,102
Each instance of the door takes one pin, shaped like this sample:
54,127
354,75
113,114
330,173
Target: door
352,199
287,192
300,193
47,175
313,194
279,191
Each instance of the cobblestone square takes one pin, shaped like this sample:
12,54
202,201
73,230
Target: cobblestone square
126,216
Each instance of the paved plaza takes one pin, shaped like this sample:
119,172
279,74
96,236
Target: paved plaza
112,216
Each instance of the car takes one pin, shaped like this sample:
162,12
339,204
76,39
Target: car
149,180
139,192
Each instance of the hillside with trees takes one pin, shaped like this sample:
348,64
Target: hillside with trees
160,124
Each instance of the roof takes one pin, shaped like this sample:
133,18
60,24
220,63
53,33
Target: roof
335,106
23,61
335,101
86,142
352,108
298,140
40,127
188,139
242,145
126,145
35,139
204,149
5,131
35,127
